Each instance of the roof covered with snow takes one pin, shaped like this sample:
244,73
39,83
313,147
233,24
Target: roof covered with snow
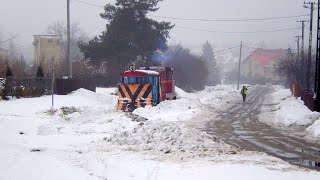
140,73
265,57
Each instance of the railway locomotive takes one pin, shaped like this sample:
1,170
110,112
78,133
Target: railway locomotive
147,86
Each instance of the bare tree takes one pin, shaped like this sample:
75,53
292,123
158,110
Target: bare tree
3,63
76,35
292,68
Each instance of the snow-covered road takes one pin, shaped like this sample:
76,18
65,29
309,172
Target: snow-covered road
239,126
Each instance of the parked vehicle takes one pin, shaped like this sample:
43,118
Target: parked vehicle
147,86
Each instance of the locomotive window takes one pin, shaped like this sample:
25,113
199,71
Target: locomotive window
163,75
125,79
145,79
155,81
132,80
168,75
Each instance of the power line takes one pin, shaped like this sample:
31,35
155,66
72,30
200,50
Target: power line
250,47
230,20
24,47
226,49
87,3
9,39
237,32
210,20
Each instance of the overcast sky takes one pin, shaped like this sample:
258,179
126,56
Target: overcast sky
29,17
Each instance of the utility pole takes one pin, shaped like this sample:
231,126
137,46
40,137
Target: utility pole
289,58
317,76
310,44
52,85
298,46
239,66
302,52
68,41
302,35
297,59
289,52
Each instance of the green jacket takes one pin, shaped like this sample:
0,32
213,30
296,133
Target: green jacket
244,91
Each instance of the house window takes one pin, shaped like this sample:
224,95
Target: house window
50,41
257,67
267,73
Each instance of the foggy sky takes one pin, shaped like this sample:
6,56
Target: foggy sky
29,17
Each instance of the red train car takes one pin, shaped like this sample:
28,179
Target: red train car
167,87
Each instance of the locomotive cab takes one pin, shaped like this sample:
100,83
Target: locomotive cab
147,86
138,88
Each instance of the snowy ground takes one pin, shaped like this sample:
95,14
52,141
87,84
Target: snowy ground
284,110
86,138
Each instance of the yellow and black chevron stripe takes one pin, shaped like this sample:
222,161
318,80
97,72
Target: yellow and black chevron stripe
133,96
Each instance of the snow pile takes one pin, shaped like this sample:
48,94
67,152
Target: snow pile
81,99
219,97
107,91
83,113
284,110
166,137
287,110
190,105
184,108
314,129
182,94
85,99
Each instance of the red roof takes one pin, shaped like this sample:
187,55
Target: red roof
265,57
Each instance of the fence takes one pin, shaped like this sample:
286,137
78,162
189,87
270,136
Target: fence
307,96
66,86
24,87
35,87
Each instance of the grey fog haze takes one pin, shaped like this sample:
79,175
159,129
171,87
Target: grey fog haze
30,17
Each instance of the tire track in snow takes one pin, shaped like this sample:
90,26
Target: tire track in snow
239,126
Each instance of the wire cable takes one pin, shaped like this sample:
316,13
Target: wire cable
226,49
87,3
9,39
230,20
250,47
237,32
211,20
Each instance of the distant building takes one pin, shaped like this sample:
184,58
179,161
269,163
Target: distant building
260,64
46,48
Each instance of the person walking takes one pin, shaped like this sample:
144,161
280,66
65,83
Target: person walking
244,92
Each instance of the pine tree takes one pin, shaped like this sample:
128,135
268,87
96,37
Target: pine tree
9,72
40,72
209,56
128,35
208,53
